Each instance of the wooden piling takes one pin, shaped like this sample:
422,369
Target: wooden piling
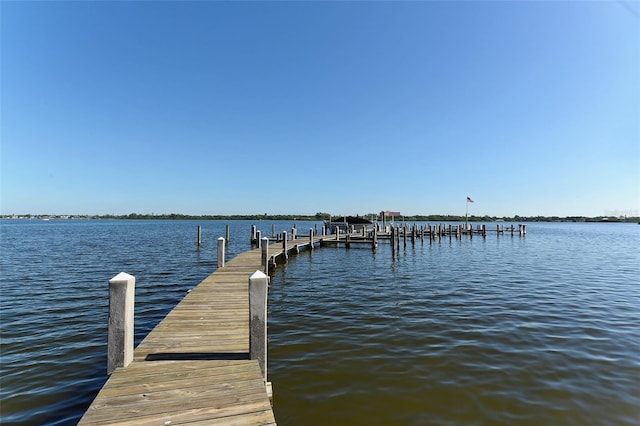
227,234
265,254
258,284
393,240
311,238
221,244
120,332
374,244
199,235
284,246
404,235
259,238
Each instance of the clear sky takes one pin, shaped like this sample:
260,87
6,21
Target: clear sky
529,108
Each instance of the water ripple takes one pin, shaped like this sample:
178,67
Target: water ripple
535,330
54,302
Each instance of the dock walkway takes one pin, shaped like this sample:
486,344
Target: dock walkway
194,366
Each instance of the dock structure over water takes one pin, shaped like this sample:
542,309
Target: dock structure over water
205,362
194,366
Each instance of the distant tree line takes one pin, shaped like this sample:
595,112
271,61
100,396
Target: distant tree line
321,216
180,216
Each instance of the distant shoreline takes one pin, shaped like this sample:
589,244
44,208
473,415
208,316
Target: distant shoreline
325,216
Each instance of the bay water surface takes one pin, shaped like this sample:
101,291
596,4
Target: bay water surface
542,329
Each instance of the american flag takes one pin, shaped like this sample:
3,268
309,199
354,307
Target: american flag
469,200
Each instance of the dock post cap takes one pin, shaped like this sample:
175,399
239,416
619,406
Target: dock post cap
220,238
257,274
122,276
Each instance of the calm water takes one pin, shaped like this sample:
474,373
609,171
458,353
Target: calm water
537,330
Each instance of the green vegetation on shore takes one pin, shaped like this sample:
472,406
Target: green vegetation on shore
324,216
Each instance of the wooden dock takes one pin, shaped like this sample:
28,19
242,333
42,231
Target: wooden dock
194,366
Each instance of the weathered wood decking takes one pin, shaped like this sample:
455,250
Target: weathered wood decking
194,366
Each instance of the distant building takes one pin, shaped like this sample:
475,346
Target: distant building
386,214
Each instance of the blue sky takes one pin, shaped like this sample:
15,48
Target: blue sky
530,108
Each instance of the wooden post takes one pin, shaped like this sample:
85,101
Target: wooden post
258,284
524,230
273,230
311,238
120,333
227,235
259,238
253,234
348,241
265,254
199,235
404,235
393,240
324,230
221,244
284,245
374,245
